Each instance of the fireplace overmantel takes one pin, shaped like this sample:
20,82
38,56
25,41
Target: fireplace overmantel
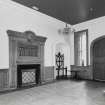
25,48
28,35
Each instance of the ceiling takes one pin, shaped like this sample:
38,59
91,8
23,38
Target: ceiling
69,11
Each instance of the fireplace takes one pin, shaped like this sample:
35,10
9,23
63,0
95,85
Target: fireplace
28,75
26,58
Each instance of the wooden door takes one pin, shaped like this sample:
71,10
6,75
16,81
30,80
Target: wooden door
99,60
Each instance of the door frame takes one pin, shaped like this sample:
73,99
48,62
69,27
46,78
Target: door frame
91,55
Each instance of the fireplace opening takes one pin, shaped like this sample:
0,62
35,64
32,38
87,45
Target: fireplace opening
28,75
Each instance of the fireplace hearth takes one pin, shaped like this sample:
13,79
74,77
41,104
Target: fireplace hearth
28,75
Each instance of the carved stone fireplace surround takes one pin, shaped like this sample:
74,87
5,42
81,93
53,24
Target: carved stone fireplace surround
25,48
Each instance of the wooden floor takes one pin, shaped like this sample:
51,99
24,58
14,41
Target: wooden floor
66,92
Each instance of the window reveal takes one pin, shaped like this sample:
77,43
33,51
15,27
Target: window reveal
81,48
28,51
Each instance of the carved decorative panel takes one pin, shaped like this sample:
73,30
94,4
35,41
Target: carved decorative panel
26,50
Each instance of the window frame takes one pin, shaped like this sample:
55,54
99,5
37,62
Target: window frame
75,47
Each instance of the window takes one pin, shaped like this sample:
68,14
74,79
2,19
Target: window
81,48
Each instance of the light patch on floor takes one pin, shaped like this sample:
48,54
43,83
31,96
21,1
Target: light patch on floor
66,92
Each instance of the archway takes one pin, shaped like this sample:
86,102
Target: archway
64,49
97,58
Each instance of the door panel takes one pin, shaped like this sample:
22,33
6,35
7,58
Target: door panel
99,71
99,60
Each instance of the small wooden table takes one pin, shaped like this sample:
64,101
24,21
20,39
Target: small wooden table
75,72
76,69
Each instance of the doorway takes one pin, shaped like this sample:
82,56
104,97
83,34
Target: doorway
99,59
64,50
